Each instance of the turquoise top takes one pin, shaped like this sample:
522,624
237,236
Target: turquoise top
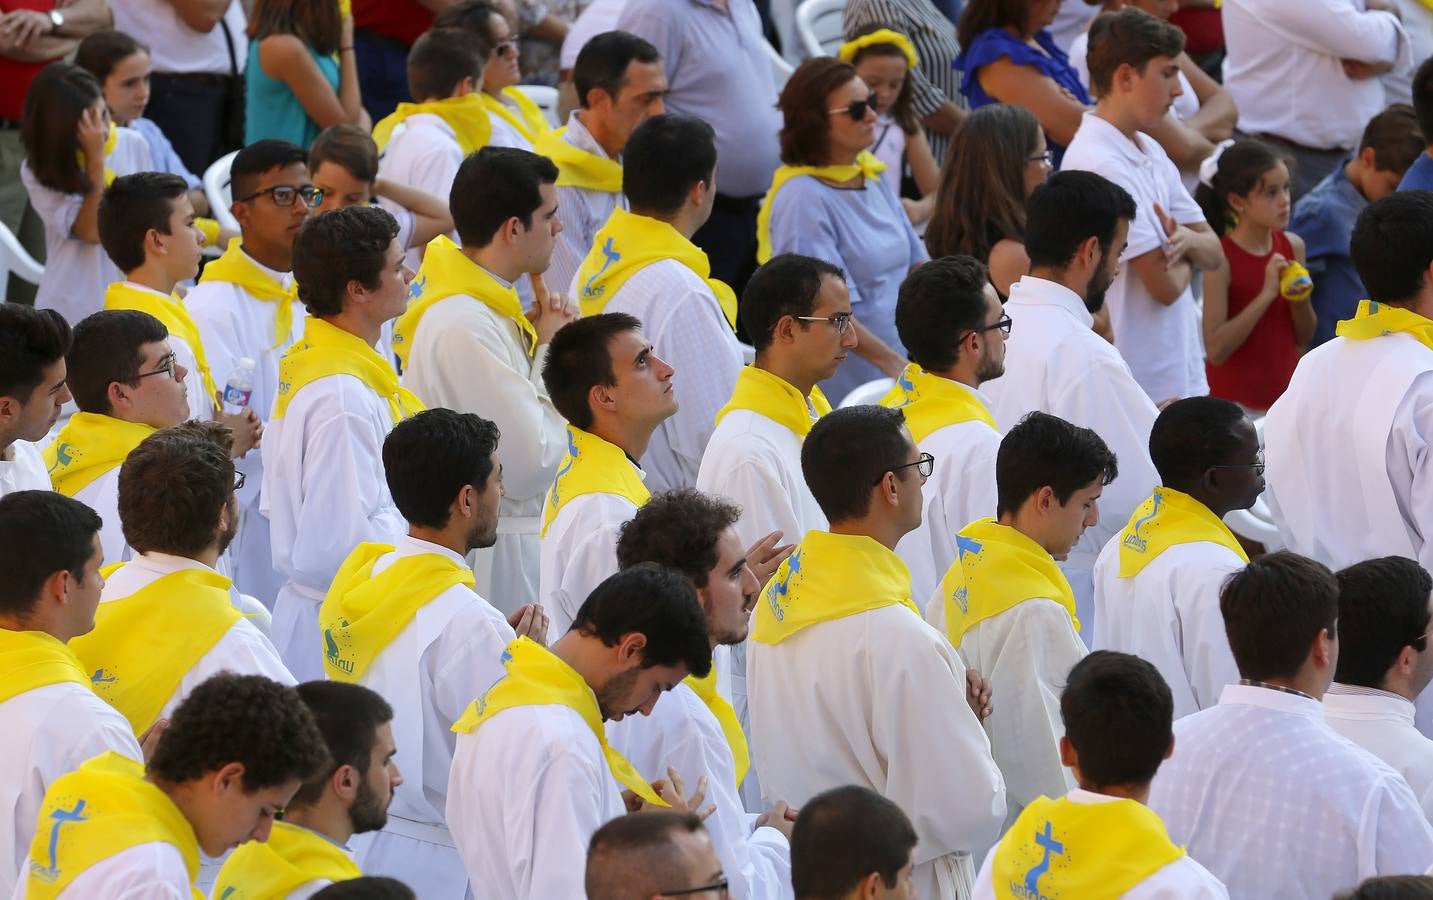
272,111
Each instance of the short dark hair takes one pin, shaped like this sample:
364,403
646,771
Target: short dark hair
368,887
636,847
1119,715
255,159
247,719
41,533
1129,37
439,60
54,103
130,207
1273,609
602,62
1382,608
578,359
939,303
785,285
1392,887
173,485
1392,245
1069,208
1396,138
655,601
339,247
1241,168
664,157
847,453
429,457
101,51
1046,450
678,529
474,17
805,130
31,340
347,146
494,185
843,835
108,348
1423,98
1192,434
348,716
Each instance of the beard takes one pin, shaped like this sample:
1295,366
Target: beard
614,695
226,537
1099,285
369,811
989,369
482,535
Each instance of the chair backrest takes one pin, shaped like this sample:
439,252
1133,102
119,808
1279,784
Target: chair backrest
217,191
13,258
870,392
818,22
545,98
780,68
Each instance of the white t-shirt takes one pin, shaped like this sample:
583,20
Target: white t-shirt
174,46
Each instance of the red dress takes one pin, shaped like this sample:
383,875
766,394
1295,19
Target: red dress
1259,371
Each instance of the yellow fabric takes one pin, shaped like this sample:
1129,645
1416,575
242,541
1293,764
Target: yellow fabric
144,644
236,268
291,857
1295,283
1089,851
89,446
445,272
931,402
538,677
35,659
169,310
110,141
628,243
466,115
95,812
326,349
706,689
1166,519
996,569
772,396
591,466
866,165
848,50
578,168
1374,319
209,228
362,612
528,120
829,577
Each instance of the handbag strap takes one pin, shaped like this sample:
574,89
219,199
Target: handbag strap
229,45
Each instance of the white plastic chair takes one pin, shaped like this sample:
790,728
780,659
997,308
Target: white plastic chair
870,392
780,68
13,258
545,98
818,22
217,191
1257,522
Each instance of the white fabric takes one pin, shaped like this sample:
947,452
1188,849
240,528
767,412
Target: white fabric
503,133
878,699
1163,344
578,553
890,148
1263,793
1382,723
174,46
102,496
582,211
599,16
422,153
1418,25
1071,20
201,405
25,471
1169,614
153,871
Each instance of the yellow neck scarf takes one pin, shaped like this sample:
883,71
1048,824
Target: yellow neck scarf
34,659
110,141
445,272
866,164
87,447
169,310
97,811
629,243
528,120
538,677
726,716
998,568
592,466
236,268
829,577
362,612
773,397
931,402
144,644
466,115
1167,518
578,168
1094,851
325,350
1375,319
292,856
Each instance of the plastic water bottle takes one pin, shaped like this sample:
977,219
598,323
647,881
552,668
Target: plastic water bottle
239,387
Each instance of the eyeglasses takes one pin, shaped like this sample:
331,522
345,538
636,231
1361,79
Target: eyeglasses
169,365
239,479
285,194
1257,465
721,886
1048,158
502,47
1004,324
841,321
857,109
924,465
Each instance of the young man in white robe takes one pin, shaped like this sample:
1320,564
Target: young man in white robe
953,328
349,796
1100,839
404,619
467,343
651,854
1078,225
644,263
848,684
851,842
1260,790
524,835
338,398
33,344
1007,607
613,390
49,550
1157,581
696,731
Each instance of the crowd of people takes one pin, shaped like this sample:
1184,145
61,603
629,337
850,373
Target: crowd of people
779,483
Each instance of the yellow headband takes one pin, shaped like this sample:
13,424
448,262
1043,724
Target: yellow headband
849,49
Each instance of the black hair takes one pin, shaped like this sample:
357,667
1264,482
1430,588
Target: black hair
1392,887
940,302
337,248
847,454
1069,208
255,159
54,104
1044,450
1119,715
1382,608
494,186
1273,610
602,63
41,533
368,887
1392,246
579,359
844,835
173,486
108,347
429,457
1131,37
664,157
130,207
678,529
1423,98
786,285
1242,166
633,855
1192,434
474,17
657,602
348,717
31,340
440,59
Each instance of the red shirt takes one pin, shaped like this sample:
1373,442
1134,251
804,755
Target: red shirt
1203,29
402,20
15,76
1259,371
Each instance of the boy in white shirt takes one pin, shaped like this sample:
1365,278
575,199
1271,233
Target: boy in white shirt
33,344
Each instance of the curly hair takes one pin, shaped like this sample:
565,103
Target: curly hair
339,247
173,486
679,529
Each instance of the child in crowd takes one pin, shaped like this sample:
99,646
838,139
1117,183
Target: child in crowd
1256,324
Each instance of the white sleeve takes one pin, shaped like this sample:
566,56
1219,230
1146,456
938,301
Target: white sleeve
1339,28
467,660
1393,833
765,504
58,211
1407,455
243,650
1208,661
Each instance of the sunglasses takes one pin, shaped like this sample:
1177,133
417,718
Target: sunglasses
857,110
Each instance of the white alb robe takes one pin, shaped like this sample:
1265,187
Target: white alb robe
1382,723
578,552
24,471
424,153
102,496
152,871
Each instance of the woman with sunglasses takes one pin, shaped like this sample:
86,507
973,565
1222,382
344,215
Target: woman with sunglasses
516,120
302,75
827,200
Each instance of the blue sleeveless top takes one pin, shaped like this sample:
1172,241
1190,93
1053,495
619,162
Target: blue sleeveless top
272,111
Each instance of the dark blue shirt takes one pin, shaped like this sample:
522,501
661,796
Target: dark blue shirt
1324,218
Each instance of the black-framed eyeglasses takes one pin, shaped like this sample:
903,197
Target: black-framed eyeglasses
169,365
857,109
284,195
925,465
1005,324
1257,465
1048,158
239,479
840,321
721,887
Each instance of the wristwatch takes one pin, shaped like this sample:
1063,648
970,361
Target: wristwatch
57,19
